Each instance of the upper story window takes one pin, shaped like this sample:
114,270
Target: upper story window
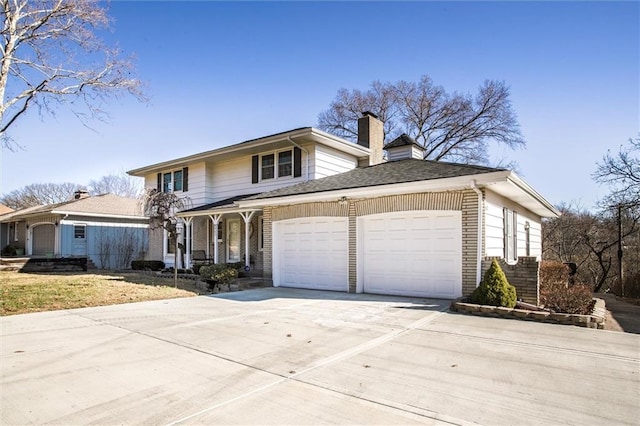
173,181
275,165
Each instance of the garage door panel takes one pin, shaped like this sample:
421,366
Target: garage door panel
311,253
416,254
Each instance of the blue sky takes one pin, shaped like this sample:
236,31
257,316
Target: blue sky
219,73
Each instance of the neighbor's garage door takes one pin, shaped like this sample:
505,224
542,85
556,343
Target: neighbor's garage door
311,253
412,253
43,239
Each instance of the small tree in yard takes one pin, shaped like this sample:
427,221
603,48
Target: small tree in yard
161,207
495,290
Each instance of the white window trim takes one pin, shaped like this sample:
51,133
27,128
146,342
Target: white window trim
276,165
15,231
172,182
510,237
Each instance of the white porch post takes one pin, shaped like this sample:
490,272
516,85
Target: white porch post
215,219
247,221
188,230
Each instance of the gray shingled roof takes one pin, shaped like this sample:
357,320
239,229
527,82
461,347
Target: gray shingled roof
227,202
402,140
106,204
393,172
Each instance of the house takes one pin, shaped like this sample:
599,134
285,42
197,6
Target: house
312,210
5,239
107,229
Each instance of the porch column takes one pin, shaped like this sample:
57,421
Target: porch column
215,219
247,221
188,221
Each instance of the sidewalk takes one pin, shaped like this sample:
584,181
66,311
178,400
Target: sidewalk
621,316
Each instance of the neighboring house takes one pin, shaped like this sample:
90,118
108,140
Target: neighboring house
5,239
107,229
315,211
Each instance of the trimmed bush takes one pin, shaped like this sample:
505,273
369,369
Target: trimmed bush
9,250
218,274
553,273
632,285
495,290
142,265
577,299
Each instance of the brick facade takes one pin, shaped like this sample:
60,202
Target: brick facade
465,201
522,275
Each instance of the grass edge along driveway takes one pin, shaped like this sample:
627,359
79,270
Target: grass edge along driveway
22,293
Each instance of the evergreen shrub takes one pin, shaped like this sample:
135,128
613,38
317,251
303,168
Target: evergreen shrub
495,290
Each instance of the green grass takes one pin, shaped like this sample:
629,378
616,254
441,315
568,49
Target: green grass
23,292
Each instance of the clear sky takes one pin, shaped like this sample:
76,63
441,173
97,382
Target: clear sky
219,73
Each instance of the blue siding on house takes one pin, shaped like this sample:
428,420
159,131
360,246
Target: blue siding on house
109,245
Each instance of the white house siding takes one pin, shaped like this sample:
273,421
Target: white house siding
494,227
329,161
197,183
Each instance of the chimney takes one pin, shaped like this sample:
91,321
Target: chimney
404,147
371,135
80,194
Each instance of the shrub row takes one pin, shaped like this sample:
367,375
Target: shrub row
218,274
556,295
142,265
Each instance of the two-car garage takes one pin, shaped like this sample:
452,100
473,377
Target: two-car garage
415,253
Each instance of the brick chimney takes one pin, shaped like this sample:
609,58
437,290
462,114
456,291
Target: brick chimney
371,135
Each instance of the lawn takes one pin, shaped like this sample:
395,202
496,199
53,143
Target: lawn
24,292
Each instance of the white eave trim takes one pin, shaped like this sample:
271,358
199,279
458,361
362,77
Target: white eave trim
108,216
446,184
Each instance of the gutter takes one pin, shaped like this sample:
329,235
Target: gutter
303,150
475,189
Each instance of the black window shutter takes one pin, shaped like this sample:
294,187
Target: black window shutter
159,187
254,169
297,162
185,179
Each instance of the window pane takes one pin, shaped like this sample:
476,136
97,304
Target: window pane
177,180
268,166
166,183
78,232
285,164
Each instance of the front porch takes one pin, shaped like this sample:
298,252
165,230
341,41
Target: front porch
221,233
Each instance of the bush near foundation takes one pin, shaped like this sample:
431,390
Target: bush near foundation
577,299
218,274
632,285
141,265
495,290
557,296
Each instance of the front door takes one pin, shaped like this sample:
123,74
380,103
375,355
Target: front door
79,240
233,240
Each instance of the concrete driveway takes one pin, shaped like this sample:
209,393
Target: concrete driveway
278,356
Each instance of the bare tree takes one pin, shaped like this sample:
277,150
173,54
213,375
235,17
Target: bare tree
622,173
38,194
122,185
161,208
51,55
455,127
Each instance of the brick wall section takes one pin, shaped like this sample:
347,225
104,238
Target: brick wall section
523,276
267,244
466,200
353,249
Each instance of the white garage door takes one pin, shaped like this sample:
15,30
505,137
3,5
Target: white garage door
411,254
311,253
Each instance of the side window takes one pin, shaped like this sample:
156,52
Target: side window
177,180
527,238
268,166
285,163
166,183
260,233
510,234
79,232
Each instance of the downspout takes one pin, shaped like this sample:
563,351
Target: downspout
303,150
475,189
